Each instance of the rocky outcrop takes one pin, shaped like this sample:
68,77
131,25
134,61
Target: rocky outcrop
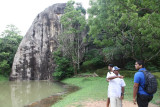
33,60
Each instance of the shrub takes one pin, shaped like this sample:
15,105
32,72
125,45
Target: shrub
93,60
130,66
63,67
152,67
102,72
127,73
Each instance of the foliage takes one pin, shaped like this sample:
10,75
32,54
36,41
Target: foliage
11,30
70,41
102,72
9,42
4,68
157,74
126,73
158,80
63,67
130,66
93,60
3,78
127,29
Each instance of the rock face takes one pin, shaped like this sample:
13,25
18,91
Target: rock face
33,60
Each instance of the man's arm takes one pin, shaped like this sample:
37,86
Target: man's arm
135,90
122,93
107,79
113,77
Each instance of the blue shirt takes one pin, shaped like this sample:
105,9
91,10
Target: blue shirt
139,78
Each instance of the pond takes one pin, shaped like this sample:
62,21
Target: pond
25,93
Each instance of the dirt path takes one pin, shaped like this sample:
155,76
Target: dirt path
102,103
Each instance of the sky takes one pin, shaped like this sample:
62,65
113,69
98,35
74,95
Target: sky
21,13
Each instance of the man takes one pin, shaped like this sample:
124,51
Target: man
143,98
116,88
110,73
110,76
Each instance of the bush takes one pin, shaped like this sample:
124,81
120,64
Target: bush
102,72
4,68
63,67
152,67
156,74
3,78
126,73
93,60
130,66
158,80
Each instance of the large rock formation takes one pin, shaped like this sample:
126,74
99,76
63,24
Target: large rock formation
33,60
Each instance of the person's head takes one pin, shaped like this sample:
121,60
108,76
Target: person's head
139,64
110,66
115,69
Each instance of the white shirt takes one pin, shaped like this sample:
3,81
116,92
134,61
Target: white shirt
109,74
115,85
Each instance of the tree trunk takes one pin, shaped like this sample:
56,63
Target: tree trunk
75,69
78,54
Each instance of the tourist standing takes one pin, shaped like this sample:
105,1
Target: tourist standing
143,98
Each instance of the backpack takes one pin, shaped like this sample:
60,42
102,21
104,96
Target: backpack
150,85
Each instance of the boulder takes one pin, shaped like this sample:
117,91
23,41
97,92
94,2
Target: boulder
33,59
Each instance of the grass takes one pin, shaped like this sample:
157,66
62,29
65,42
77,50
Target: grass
95,88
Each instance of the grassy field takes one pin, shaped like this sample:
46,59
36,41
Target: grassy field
95,88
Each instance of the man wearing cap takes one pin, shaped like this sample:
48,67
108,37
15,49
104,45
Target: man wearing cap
116,88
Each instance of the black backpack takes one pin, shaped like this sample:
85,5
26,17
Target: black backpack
150,85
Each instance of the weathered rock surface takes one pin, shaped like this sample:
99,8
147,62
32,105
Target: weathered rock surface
33,60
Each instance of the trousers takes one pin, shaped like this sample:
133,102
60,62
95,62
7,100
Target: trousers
143,100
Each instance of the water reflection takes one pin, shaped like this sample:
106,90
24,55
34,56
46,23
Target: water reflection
20,93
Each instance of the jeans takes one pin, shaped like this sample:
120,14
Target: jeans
143,100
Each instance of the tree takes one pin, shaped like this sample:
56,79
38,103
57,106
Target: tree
11,30
71,40
9,42
126,28
64,68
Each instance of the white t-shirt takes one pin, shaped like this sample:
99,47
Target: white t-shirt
115,85
109,74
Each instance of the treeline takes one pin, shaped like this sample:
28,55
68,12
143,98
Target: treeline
118,31
9,42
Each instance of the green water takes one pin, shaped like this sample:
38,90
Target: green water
21,93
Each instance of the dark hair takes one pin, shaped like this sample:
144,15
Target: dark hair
111,65
140,62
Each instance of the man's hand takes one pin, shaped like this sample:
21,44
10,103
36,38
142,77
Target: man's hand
121,77
135,90
134,101
122,97
107,80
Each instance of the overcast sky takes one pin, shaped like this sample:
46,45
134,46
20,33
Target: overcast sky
21,13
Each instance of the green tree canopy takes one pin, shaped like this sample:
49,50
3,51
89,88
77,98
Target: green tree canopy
9,42
126,28
71,40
